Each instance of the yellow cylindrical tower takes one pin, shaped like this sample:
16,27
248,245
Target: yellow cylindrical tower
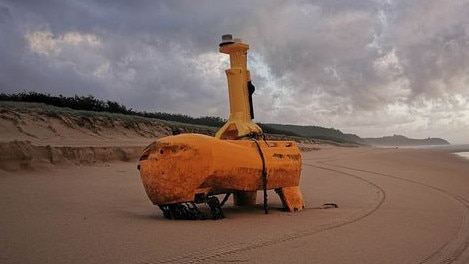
181,170
240,122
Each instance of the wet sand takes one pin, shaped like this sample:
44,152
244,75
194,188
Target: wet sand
395,206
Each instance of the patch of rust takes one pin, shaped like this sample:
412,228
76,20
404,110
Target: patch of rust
295,157
278,155
177,147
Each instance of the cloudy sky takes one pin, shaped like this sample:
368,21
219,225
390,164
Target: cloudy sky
369,67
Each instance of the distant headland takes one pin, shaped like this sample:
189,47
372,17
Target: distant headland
399,140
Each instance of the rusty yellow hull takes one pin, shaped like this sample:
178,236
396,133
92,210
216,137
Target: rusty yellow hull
175,169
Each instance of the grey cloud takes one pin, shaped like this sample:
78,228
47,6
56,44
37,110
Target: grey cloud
431,59
433,38
5,15
333,60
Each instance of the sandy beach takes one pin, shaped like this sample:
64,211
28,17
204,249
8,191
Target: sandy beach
369,100
70,192
395,206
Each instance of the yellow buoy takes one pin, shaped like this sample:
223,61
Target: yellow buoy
182,170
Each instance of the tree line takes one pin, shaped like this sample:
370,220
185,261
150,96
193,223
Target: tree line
91,103
76,102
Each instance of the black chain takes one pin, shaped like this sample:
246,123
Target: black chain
264,175
189,210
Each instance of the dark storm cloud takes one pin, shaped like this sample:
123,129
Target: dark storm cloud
22,71
5,15
343,63
152,42
370,58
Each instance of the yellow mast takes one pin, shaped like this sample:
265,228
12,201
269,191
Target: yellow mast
240,122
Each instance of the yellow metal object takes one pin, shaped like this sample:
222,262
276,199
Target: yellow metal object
240,121
175,169
179,171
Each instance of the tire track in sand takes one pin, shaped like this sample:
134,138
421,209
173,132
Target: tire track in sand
454,250
236,247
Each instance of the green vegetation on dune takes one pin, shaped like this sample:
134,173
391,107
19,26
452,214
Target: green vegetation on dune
91,103
320,133
87,105
94,121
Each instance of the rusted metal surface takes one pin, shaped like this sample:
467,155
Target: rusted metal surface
175,168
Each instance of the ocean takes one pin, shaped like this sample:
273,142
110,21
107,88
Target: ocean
461,150
463,154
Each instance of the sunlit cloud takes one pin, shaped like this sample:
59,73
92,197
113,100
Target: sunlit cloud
45,42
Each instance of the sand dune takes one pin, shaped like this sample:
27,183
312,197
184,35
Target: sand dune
37,135
47,125
79,199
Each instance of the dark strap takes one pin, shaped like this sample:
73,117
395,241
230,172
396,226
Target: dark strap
264,175
251,90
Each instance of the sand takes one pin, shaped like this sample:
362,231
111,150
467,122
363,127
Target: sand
395,206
